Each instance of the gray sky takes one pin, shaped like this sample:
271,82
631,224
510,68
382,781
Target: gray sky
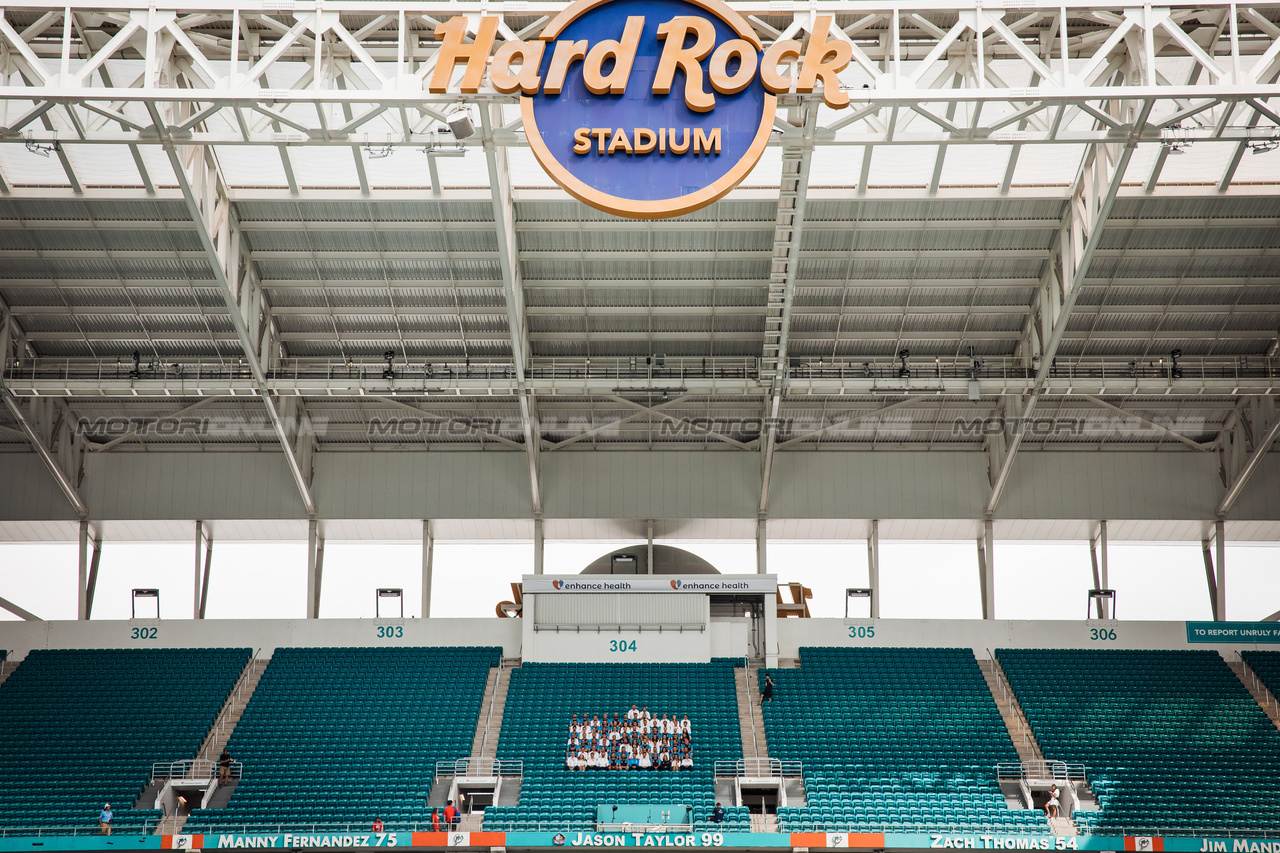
1034,580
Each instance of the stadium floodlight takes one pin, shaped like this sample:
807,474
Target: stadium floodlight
1175,370
1262,146
143,593
1107,598
389,372
857,592
903,370
459,121
388,593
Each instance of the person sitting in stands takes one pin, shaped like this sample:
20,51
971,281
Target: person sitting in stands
645,761
378,826
633,714
686,762
717,815
684,728
664,760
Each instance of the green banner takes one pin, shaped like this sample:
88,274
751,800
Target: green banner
1233,632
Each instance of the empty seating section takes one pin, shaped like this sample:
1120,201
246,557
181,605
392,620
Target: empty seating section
338,736
544,696
892,738
1171,739
1267,667
82,728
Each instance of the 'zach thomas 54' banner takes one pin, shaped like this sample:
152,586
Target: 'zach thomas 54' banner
644,108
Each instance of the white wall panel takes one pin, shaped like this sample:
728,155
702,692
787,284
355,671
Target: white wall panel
616,609
878,485
638,485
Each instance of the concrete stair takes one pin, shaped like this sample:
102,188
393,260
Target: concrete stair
7,668
764,823
225,723
750,719
1063,826
489,726
1024,740
171,825
1256,688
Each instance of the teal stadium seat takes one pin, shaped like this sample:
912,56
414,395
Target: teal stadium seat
892,739
80,728
334,737
1172,740
544,696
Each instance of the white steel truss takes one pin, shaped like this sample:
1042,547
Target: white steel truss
354,73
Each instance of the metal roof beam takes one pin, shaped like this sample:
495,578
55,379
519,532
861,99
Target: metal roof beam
209,204
46,455
784,266
1092,197
504,217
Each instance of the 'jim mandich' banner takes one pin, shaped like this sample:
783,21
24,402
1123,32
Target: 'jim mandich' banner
550,840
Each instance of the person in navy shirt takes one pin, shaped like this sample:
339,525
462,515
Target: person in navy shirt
717,816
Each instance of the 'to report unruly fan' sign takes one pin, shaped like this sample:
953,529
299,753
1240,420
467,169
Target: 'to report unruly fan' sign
644,108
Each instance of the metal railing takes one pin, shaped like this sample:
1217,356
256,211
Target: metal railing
1058,771
669,372
1009,700
192,769
223,725
759,767
74,831
479,766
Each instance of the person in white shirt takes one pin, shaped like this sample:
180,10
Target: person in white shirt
633,714
683,727
645,761
687,761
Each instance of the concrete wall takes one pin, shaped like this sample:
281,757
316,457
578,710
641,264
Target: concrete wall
982,635
259,634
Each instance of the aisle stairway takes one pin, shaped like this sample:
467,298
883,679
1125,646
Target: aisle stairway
1257,688
6,669
492,707
1024,740
755,743
222,728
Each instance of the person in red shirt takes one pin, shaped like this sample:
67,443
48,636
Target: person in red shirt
451,815
377,824
435,820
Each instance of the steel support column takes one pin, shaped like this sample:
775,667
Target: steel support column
91,588
762,547
538,546
428,556
1101,573
82,577
873,567
315,568
21,613
987,570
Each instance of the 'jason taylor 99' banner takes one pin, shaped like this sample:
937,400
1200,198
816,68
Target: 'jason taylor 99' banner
644,108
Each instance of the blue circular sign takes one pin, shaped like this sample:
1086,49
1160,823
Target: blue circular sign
643,152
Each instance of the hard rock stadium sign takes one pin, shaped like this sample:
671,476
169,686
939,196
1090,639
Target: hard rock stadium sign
644,108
